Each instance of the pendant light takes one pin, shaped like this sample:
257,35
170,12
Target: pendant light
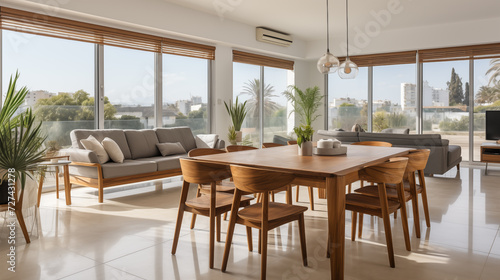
348,69
328,63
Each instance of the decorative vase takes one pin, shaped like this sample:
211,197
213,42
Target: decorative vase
306,149
239,136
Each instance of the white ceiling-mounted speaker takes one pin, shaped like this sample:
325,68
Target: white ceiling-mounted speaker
273,37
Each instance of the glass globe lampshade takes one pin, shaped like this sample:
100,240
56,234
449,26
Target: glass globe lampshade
328,63
348,69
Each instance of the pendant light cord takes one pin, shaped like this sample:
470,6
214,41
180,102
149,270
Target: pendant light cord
347,25
327,30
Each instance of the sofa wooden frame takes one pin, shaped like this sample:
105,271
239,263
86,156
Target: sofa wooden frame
100,183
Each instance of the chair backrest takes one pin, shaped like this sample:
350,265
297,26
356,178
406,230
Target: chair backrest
254,180
389,172
197,172
204,152
291,142
417,160
238,148
373,143
270,145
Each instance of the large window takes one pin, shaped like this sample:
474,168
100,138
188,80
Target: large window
185,92
394,97
446,102
348,101
60,77
487,97
128,88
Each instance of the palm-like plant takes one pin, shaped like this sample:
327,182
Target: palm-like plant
495,71
305,104
238,112
253,88
21,137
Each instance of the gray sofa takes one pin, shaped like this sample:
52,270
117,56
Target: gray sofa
442,158
143,160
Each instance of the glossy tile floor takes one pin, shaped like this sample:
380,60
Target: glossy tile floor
130,237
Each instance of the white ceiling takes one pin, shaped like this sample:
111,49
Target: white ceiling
306,19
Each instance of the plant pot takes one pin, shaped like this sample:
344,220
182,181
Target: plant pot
239,136
306,149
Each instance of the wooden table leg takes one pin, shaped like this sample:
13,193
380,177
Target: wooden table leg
40,185
67,185
57,182
335,195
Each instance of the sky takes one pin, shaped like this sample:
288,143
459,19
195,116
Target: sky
58,65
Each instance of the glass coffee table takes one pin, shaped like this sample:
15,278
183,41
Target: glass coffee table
57,163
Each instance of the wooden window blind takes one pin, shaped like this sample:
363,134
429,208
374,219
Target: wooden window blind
460,53
38,24
383,59
250,58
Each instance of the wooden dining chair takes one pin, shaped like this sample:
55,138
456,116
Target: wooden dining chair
310,189
238,148
211,205
417,160
263,216
368,143
390,172
271,145
222,186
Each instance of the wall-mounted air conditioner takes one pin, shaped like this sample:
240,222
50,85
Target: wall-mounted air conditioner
273,37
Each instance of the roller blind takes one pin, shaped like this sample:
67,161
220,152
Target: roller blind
250,58
460,53
383,59
38,24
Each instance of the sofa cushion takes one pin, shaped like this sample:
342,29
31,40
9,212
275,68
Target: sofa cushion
116,134
418,141
396,130
177,134
342,136
454,153
142,143
93,145
127,168
167,149
165,163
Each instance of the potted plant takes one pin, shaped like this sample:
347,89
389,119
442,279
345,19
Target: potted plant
231,135
21,140
237,112
305,104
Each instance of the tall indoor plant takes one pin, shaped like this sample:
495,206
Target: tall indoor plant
237,112
305,104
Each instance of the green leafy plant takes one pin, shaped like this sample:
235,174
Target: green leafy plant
305,103
21,139
232,135
237,112
304,133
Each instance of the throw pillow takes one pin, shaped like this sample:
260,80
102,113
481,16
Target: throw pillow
167,149
113,150
93,145
357,128
206,140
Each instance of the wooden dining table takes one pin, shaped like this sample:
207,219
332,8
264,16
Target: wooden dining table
331,173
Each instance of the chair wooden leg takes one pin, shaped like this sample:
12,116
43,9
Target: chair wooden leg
230,228
387,222
302,232
297,194
360,225
311,198
225,216
212,224
218,218
264,225
249,239
414,201
404,217
57,182
259,250
272,196
180,214
353,225
395,215
22,224
349,188
421,180
289,195
259,198
193,218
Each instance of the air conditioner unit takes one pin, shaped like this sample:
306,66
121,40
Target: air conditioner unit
273,37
